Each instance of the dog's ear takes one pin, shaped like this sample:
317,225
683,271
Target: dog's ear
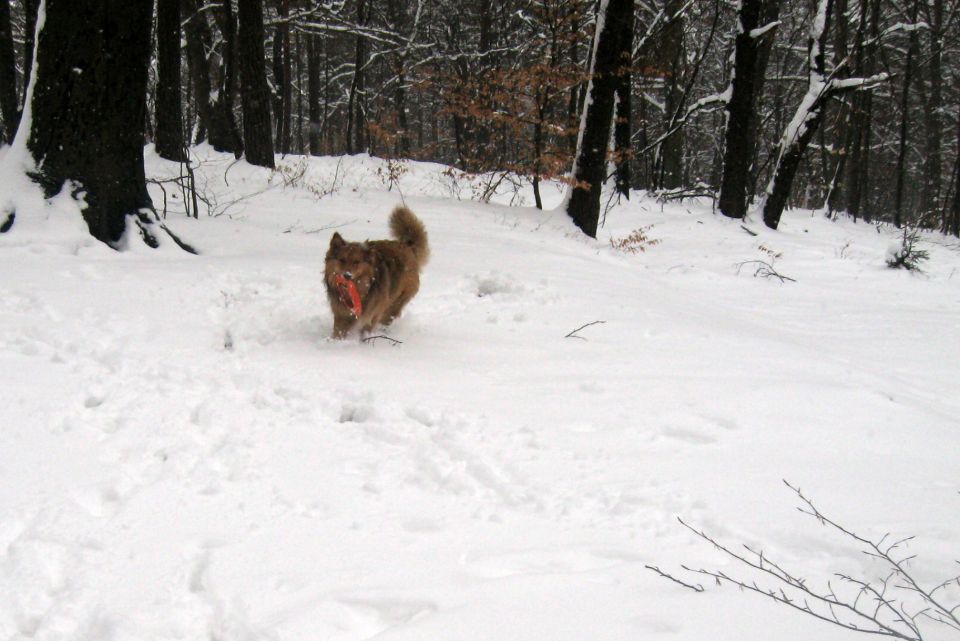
337,241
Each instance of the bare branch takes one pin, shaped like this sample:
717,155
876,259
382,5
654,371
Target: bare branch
573,333
695,588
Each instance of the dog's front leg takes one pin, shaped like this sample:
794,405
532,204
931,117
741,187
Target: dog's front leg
341,325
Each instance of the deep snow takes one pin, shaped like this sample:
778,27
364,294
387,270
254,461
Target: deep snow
184,454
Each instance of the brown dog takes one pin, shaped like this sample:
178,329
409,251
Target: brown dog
369,283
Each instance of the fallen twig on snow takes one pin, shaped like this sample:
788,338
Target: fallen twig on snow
764,270
372,339
573,333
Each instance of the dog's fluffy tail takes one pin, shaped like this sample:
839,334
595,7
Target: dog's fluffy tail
409,230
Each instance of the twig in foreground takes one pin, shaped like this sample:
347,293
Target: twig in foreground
372,339
695,588
764,270
573,333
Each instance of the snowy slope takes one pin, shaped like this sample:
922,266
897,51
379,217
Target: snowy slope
184,454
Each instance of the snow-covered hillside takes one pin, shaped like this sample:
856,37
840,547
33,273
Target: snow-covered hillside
184,454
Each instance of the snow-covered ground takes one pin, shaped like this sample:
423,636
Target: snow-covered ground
184,454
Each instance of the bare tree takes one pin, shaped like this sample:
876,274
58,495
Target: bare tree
169,111
590,166
741,104
806,119
255,93
9,112
89,107
223,131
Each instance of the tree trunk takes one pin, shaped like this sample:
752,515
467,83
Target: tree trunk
255,94
933,165
29,27
670,153
402,144
573,102
313,95
835,153
169,111
286,89
327,129
623,126
458,142
805,121
355,111
197,33
282,78
858,168
8,78
904,119
89,108
301,143
740,106
538,152
954,226
769,14
224,135
590,164
843,188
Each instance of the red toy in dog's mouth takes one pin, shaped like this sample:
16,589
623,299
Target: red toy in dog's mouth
349,295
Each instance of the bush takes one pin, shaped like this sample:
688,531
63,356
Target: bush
636,242
906,255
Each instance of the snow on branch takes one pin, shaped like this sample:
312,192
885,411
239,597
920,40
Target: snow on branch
760,32
846,84
713,100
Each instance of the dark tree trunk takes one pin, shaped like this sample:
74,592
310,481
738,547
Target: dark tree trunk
255,92
834,158
479,131
197,32
904,121
9,106
954,226
933,165
623,126
538,151
402,147
169,111
573,103
645,179
276,88
458,142
282,77
850,130
29,27
355,111
769,14
738,138
286,90
804,125
327,71
590,165
224,135
313,98
858,168
301,143
89,107
670,154
397,18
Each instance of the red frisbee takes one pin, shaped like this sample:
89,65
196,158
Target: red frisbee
349,295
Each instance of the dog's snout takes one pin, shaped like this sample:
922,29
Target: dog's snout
348,275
